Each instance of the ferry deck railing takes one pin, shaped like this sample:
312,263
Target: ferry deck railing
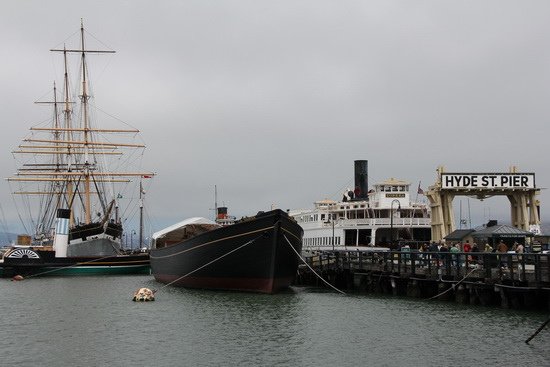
385,221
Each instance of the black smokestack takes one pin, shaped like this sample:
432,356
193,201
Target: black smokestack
361,180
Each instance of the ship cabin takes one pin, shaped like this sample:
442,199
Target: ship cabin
386,197
387,215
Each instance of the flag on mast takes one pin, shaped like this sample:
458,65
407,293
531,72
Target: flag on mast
420,191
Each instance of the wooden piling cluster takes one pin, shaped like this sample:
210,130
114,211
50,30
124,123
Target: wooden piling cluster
490,279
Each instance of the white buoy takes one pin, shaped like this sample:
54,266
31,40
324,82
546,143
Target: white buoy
144,295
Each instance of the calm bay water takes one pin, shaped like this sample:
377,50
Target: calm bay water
91,321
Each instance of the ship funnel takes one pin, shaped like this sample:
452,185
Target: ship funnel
61,240
361,190
222,212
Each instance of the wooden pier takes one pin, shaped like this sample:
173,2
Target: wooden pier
518,281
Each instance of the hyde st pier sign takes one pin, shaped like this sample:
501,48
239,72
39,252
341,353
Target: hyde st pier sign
488,181
518,187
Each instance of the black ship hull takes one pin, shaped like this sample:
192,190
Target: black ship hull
32,261
257,255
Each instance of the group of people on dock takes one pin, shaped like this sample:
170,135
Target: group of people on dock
458,254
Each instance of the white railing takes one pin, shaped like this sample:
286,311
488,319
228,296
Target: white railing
383,222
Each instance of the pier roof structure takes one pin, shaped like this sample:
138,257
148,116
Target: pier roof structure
459,234
502,230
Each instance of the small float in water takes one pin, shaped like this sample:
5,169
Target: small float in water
144,295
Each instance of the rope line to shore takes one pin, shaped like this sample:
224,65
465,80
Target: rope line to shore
209,263
310,268
454,285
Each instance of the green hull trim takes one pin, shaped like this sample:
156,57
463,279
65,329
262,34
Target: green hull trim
97,270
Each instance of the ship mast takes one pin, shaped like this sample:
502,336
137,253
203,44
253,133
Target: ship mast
84,100
86,167
141,192
75,173
67,114
53,188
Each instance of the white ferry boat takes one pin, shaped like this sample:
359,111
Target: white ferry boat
366,219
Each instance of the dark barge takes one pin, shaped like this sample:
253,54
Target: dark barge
257,254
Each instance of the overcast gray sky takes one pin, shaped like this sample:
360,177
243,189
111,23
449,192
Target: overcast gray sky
273,100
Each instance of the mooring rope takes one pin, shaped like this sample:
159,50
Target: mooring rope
209,263
538,331
454,285
310,268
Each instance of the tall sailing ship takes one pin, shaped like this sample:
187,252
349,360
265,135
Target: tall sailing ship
71,177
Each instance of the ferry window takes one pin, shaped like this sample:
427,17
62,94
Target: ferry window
322,217
394,188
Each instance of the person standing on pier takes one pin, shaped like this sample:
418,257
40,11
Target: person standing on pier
519,250
502,249
434,249
455,249
445,256
475,250
466,247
